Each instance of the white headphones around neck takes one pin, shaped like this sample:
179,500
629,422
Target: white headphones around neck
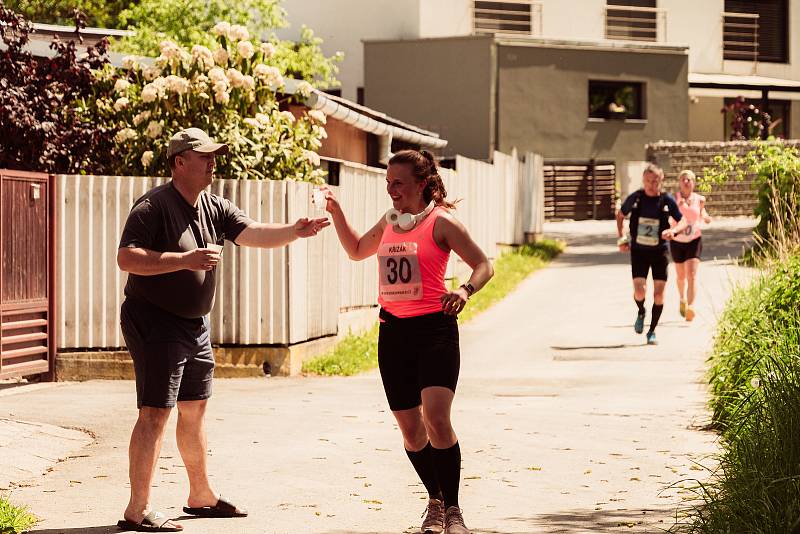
407,221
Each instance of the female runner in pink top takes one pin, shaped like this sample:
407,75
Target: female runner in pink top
418,348
687,246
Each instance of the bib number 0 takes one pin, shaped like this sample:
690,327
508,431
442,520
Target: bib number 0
398,267
647,232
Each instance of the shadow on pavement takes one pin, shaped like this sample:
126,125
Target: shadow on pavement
77,530
580,347
591,521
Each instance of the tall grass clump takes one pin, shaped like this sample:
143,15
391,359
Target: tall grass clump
755,374
14,519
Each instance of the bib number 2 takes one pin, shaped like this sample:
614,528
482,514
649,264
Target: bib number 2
400,277
647,232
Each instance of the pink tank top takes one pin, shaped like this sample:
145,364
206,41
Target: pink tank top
692,210
411,269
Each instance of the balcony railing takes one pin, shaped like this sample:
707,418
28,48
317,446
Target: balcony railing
631,23
740,36
518,17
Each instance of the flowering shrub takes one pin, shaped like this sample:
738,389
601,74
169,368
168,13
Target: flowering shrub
229,91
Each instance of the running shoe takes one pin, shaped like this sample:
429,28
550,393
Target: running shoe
690,313
454,522
651,338
434,517
638,326
682,309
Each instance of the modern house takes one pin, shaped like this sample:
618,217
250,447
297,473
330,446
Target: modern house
578,80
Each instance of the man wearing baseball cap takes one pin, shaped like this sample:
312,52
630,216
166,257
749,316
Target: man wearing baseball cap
170,247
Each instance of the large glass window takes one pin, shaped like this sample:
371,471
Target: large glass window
616,100
756,30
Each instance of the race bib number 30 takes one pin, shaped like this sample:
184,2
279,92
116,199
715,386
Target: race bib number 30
400,277
647,232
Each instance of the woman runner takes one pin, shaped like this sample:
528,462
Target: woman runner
418,347
687,246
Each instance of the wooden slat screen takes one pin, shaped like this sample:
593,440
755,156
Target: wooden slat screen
572,193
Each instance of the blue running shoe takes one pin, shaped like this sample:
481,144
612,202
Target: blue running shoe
651,338
638,326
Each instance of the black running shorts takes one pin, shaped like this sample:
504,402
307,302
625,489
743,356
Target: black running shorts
686,251
172,355
415,353
643,260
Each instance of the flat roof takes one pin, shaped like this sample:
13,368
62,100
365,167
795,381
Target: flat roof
735,81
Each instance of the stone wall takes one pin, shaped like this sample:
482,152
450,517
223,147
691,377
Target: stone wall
733,198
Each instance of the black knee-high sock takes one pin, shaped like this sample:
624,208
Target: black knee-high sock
422,461
657,309
640,305
447,463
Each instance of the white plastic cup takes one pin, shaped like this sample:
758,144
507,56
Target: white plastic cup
318,198
216,248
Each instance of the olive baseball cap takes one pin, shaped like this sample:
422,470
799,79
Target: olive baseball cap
194,139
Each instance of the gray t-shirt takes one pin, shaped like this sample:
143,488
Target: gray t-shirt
162,220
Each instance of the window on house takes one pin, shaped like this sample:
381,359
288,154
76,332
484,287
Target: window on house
616,100
779,112
756,30
502,17
632,20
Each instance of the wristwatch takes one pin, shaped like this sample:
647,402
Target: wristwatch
469,288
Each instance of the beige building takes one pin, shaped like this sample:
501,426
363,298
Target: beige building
735,47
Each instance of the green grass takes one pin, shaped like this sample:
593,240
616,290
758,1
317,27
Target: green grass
14,519
755,384
359,353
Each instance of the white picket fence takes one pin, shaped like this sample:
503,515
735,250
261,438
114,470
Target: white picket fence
275,296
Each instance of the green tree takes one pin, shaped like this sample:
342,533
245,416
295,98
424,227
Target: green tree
99,13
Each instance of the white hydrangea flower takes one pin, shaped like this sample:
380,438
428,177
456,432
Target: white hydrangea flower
151,73
318,116
263,118
268,49
323,133
121,103
130,63
170,49
220,56
245,49
239,33
217,75
141,117
124,135
288,115
312,157
223,29
176,84
221,86
304,89
222,97
121,85
203,95
251,122
200,82
235,77
147,158
149,93
249,83
202,56
154,129
269,75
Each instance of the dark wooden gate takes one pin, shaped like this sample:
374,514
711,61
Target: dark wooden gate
27,274
579,189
